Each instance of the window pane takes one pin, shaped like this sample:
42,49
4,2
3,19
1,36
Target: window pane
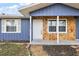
11,28
52,28
62,23
62,29
52,23
10,22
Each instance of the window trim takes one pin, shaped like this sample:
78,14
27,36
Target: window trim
3,30
56,26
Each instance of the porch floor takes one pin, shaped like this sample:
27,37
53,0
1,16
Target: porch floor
54,42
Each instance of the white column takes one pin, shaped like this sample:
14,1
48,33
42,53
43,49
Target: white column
30,29
57,29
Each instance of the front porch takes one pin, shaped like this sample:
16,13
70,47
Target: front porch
41,34
57,24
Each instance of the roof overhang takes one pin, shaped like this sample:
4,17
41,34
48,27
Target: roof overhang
11,16
26,10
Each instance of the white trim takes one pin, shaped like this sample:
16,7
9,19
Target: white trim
3,26
27,6
18,25
30,29
58,26
10,32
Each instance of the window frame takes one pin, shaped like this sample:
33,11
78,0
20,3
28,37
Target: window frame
4,25
56,26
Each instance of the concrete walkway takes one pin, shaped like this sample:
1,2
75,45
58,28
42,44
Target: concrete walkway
54,42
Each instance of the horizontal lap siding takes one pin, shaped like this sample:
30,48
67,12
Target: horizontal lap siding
24,35
71,27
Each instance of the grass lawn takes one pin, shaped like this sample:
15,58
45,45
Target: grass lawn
8,49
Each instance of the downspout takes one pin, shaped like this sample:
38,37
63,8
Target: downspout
29,44
28,47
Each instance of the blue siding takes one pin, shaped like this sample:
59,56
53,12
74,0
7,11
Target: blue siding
77,28
56,10
24,35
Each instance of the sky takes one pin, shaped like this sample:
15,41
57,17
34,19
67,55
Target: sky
11,8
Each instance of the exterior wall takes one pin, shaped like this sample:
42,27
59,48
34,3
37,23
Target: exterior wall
46,35
77,28
24,35
71,28
56,10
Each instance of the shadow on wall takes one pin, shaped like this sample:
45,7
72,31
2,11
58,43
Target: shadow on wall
60,50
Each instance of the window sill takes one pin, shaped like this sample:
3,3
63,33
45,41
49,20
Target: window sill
10,32
56,32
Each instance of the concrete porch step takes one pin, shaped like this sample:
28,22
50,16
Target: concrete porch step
75,47
37,50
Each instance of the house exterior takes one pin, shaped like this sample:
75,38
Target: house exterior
43,23
14,28
53,23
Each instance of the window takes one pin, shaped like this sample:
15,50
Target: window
52,26
11,26
62,26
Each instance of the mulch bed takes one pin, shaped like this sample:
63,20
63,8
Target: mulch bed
60,50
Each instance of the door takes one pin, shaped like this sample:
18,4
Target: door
37,29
